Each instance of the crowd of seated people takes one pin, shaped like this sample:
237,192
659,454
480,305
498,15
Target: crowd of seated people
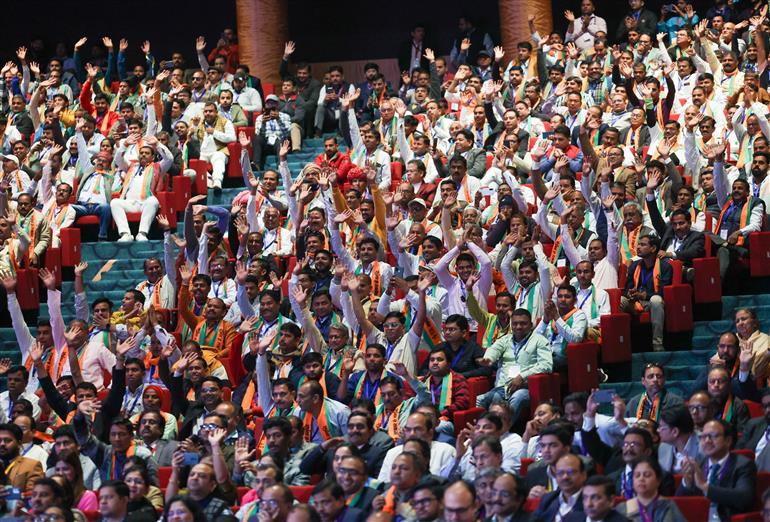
359,338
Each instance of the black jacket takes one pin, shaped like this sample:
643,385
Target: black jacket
733,493
752,433
466,363
319,461
549,507
746,391
110,405
693,246
612,516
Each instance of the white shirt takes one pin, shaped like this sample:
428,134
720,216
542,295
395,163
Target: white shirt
6,404
442,459
87,194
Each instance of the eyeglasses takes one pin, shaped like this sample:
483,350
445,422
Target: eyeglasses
697,407
709,436
348,471
718,381
566,472
422,502
631,444
209,426
269,503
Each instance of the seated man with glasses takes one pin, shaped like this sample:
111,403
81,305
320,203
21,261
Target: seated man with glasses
756,433
426,501
727,480
637,443
508,494
570,473
727,406
352,476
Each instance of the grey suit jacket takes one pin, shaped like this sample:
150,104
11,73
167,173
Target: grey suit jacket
164,451
666,453
477,162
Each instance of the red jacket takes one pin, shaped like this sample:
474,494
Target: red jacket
461,396
340,163
103,123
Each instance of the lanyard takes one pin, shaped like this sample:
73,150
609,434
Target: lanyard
457,358
517,347
586,298
133,405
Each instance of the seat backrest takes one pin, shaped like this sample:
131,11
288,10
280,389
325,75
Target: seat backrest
694,509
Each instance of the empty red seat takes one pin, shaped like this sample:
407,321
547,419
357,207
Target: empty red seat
759,254
755,409
582,366
478,386
201,169
70,246
707,284
53,263
678,299
168,207
27,288
525,463
181,187
544,387
616,337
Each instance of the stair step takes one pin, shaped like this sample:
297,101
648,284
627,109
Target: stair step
627,390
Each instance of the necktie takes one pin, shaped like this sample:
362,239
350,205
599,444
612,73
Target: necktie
714,473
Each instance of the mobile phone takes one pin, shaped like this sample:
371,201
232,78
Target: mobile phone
604,396
13,493
329,89
399,272
190,458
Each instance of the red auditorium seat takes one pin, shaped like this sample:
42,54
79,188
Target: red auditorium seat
759,257
70,246
301,493
582,366
464,417
694,509
27,288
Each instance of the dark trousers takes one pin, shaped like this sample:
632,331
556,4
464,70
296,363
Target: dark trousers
93,209
261,149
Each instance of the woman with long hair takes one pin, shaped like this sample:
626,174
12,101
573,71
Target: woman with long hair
137,478
68,466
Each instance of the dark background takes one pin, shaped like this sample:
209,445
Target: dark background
324,30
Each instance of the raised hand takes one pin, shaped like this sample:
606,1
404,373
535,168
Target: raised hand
122,45
289,48
71,336
35,68
343,216
81,268
163,222
284,150
36,351
48,278
107,41
21,53
200,44
499,53
430,55
124,347
185,273
89,407
465,45
80,43
653,180
300,295
243,139
714,151
145,47
217,436
9,282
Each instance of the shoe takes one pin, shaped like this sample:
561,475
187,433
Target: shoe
125,238
603,377
657,347
218,192
141,236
